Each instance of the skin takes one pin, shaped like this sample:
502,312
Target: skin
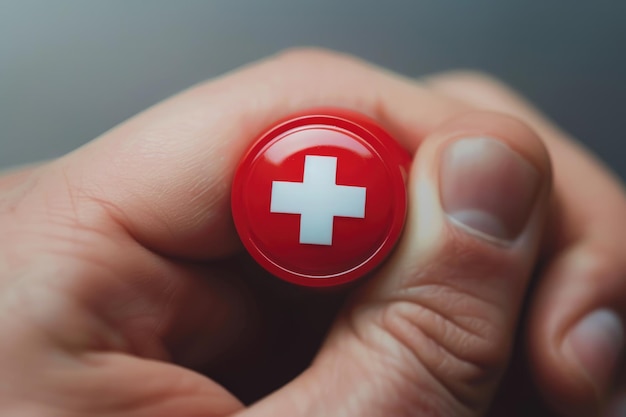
125,292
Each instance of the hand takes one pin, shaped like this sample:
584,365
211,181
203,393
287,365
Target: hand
121,271
575,330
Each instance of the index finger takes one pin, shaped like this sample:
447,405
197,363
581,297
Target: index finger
165,175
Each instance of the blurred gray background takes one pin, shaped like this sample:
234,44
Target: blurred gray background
70,70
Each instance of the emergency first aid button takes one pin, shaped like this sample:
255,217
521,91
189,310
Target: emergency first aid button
320,199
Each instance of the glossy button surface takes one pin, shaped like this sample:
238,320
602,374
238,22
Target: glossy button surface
320,199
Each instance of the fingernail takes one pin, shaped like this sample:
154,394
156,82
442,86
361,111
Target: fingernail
487,188
596,343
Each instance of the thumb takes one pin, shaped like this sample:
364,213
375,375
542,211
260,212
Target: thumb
432,332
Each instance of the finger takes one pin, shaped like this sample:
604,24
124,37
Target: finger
431,333
576,327
165,175
107,384
145,388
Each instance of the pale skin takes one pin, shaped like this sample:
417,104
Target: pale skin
124,290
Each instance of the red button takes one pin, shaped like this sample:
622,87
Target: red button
320,199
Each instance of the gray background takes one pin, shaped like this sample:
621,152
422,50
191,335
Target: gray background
70,70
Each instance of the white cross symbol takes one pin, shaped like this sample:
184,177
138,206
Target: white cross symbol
318,200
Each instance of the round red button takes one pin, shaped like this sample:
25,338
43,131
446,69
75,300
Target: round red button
320,199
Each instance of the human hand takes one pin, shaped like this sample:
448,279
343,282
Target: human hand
120,267
582,275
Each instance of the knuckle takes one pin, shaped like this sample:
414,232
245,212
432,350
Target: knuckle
308,58
452,335
311,54
479,77
601,263
470,78
460,326
458,330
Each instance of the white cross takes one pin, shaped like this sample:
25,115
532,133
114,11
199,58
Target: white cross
318,200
